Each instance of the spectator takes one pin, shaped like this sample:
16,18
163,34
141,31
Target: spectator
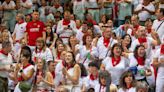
79,9
26,6
142,87
34,29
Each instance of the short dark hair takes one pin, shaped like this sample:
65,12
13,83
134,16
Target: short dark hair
5,44
93,64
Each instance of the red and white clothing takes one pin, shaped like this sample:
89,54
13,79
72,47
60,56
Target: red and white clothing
143,15
6,61
160,78
90,81
26,69
34,30
102,47
65,34
85,55
140,63
115,68
19,32
132,89
44,54
147,40
99,88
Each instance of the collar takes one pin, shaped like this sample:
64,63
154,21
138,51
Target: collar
66,65
3,52
38,50
26,66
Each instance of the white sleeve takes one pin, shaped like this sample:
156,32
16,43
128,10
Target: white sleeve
49,55
60,27
157,53
138,7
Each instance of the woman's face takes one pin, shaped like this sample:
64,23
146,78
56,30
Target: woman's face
68,57
73,40
62,57
48,29
90,32
128,79
40,64
126,40
23,42
23,59
141,51
117,51
39,45
103,18
103,81
5,37
89,40
60,47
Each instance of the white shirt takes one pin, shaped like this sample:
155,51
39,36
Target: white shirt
11,4
20,30
47,55
65,34
5,62
160,71
143,15
149,44
90,83
132,89
160,30
116,71
102,50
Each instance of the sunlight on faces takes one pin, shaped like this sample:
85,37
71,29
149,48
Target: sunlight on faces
68,57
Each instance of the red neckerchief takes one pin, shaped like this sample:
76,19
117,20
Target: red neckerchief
123,28
21,78
162,49
78,27
57,6
66,22
38,50
53,74
140,60
129,86
92,21
149,30
136,29
58,55
116,61
21,21
23,1
106,42
66,65
142,40
3,52
92,77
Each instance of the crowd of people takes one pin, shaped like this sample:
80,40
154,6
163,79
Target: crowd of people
82,46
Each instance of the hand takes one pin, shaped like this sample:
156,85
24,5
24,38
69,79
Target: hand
64,71
148,72
17,67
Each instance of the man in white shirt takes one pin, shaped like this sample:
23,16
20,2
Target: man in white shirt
19,31
158,24
66,27
6,61
145,10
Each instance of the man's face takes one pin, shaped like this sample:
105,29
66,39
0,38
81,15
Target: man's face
67,15
158,14
35,15
134,21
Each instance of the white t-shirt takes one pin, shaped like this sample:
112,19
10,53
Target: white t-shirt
160,30
90,83
143,15
132,89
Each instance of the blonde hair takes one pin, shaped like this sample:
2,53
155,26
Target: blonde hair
113,88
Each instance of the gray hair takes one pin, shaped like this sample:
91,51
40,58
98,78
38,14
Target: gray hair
142,85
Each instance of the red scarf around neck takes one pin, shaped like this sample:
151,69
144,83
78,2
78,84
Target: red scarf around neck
3,52
106,42
21,21
140,60
66,22
162,49
92,77
142,40
24,1
53,74
67,66
24,67
116,61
